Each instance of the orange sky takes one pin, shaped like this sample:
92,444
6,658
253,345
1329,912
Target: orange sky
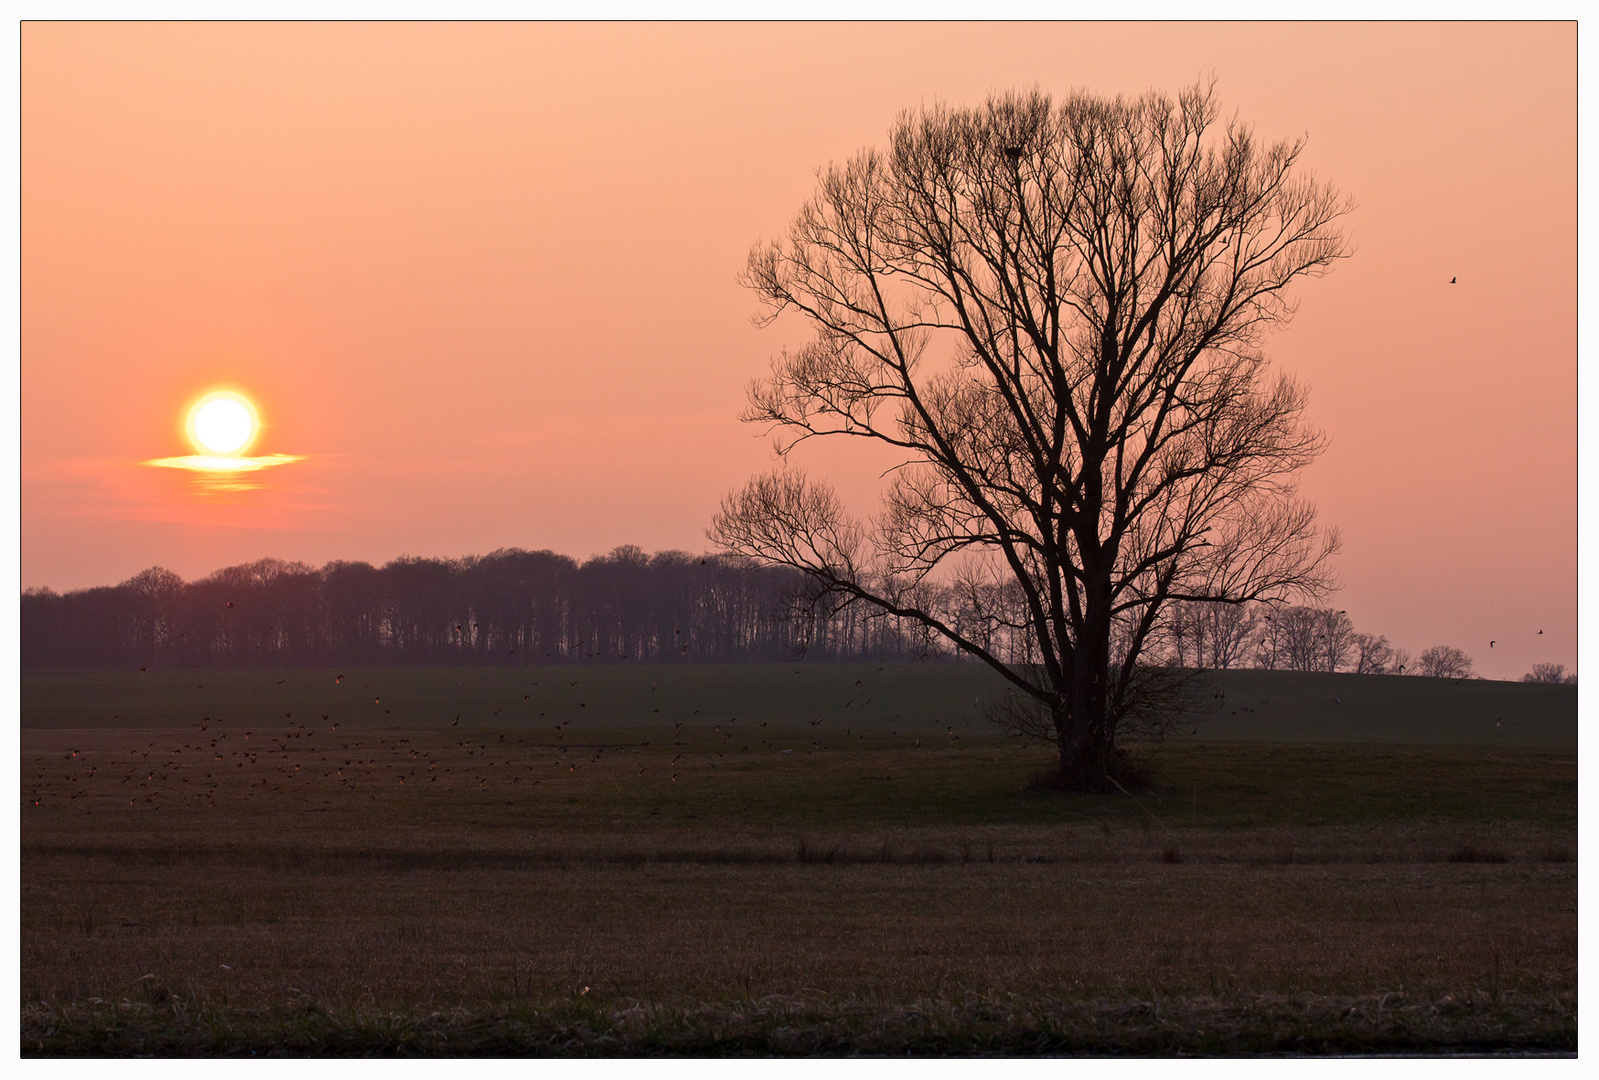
482,278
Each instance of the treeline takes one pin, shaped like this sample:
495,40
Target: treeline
536,607
507,607
1295,639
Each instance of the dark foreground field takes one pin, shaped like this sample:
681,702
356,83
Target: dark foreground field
688,890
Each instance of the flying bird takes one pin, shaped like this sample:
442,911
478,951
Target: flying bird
1453,280
1490,644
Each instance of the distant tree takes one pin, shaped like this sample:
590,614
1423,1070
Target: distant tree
1229,631
48,630
1444,662
1053,312
1334,643
1549,673
153,597
1301,638
354,604
1373,655
1271,642
1293,638
1213,636
428,622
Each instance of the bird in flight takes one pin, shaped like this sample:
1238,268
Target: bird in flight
1490,644
1453,280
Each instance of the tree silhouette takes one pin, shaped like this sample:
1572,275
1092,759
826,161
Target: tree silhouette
1053,313
1549,673
1444,662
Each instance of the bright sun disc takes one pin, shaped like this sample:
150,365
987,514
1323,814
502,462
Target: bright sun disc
222,423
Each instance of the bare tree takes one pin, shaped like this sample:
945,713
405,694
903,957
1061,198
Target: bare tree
1549,673
1292,639
1054,313
1216,636
1228,630
1444,662
1373,656
1335,640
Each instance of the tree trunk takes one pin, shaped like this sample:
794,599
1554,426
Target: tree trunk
1082,724
1085,754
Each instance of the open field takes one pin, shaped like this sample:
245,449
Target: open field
884,698
642,890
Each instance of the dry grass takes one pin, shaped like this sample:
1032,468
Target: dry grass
768,903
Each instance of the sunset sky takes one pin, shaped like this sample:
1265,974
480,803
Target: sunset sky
480,281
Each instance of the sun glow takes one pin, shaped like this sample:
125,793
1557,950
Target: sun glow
222,424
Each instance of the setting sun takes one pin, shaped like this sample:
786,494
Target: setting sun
222,423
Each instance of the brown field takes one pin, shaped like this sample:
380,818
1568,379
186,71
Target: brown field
698,891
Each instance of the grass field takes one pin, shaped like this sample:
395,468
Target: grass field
260,887
916,698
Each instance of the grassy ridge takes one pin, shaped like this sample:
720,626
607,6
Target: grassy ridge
1341,708
889,697
459,786
899,698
